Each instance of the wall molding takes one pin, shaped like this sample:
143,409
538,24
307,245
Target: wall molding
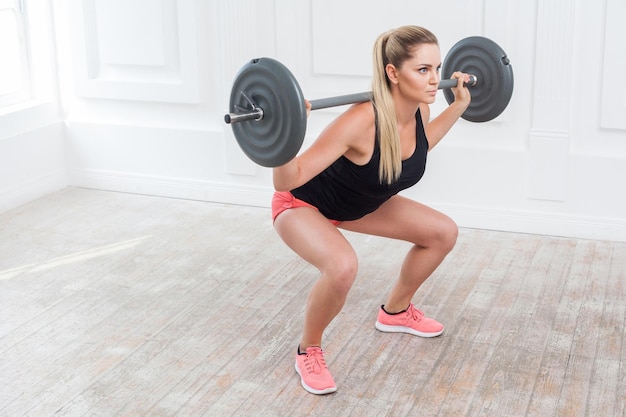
549,134
466,216
613,101
537,222
163,186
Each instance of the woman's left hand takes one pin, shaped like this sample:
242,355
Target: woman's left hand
461,93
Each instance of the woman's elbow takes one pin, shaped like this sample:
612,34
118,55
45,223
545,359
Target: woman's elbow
285,176
281,187
281,183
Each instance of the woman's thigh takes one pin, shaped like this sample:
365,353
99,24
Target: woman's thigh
312,236
405,219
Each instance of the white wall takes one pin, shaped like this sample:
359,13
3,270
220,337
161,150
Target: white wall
32,161
145,85
32,145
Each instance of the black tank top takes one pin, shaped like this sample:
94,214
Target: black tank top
347,191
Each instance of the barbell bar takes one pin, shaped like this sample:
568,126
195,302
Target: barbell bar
256,113
268,113
324,103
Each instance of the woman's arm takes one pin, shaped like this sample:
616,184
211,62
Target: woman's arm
336,139
437,128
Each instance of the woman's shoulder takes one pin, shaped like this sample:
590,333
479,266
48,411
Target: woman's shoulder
359,118
353,123
363,112
359,129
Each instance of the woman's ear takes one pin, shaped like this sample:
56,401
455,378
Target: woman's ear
392,73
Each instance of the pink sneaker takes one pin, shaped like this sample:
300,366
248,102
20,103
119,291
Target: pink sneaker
314,374
410,321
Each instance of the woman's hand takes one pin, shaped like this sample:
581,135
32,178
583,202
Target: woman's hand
461,93
307,103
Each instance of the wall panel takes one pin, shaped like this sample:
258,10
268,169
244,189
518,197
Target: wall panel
141,50
145,86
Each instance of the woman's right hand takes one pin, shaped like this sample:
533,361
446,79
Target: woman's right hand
307,103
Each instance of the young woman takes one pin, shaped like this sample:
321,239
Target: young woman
350,179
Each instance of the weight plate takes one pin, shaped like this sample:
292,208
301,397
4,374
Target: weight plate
277,137
485,59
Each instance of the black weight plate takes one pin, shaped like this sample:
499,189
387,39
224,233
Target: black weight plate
277,137
484,58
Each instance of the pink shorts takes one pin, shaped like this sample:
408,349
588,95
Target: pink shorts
284,200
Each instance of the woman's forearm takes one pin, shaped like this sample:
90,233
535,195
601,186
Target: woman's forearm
441,125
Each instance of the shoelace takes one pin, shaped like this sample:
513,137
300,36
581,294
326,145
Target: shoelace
315,362
416,314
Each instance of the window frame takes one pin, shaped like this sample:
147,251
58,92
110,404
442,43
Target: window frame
24,94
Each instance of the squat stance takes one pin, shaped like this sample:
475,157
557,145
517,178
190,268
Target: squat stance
350,179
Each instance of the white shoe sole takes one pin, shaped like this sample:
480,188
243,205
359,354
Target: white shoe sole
311,389
402,329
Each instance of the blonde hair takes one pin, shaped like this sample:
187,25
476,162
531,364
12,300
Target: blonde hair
392,47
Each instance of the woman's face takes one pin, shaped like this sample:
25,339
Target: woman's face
418,77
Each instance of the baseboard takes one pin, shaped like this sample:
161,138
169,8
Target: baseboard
518,221
540,223
171,187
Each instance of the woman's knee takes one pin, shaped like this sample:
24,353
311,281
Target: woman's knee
441,234
341,271
447,234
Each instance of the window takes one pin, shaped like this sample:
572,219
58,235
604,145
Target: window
14,68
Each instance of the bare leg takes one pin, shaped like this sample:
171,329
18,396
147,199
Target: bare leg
317,241
432,233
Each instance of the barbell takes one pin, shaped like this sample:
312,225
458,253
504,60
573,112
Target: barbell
268,115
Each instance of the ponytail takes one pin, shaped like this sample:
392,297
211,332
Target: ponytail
390,154
393,47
